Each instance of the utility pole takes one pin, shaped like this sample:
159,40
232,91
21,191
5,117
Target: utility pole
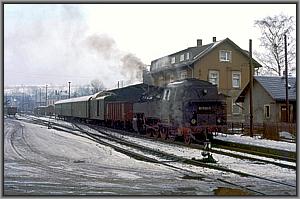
69,89
251,88
46,95
40,97
36,94
286,83
22,98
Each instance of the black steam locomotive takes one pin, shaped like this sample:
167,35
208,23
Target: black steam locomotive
187,109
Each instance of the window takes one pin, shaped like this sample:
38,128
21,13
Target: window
225,55
187,56
171,78
154,66
236,79
183,74
172,60
161,81
167,95
181,57
267,111
213,77
236,108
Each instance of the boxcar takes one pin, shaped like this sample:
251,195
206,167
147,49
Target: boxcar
119,114
44,110
97,106
73,108
10,110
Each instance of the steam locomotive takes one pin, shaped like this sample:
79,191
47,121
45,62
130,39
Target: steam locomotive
189,110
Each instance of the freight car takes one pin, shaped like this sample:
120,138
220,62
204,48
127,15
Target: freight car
44,110
10,110
111,108
119,107
73,108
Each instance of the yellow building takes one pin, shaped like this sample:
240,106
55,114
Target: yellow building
222,63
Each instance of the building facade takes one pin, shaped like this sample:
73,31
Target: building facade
222,63
269,100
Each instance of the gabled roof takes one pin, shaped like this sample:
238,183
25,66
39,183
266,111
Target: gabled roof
197,53
274,86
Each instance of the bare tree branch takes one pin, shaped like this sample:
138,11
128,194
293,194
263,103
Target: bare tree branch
273,30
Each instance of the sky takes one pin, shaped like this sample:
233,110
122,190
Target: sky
57,43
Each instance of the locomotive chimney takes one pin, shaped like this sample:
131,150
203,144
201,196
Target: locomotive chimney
199,42
214,39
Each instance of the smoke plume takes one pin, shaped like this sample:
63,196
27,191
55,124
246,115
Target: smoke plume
52,46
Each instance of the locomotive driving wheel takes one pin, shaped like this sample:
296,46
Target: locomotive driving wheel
163,133
187,139
149,133
156,134
171,137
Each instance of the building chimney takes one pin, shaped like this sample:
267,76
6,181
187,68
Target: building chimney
199,42
214,39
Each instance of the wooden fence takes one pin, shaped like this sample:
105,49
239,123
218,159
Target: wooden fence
266,130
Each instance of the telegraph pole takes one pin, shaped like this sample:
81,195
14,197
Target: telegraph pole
36,94
251,88
23,98
69,89
286,83
40,97
46,95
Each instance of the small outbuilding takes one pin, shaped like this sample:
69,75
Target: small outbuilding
269,99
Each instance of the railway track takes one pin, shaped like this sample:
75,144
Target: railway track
261,154
257,150
236,152
177,163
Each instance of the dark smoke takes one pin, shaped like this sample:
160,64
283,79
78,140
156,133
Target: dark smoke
102,44
105,47
132,66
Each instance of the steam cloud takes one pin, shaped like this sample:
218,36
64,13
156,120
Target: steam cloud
52,46
130,66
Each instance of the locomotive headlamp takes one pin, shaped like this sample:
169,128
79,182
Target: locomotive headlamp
204,91
193,121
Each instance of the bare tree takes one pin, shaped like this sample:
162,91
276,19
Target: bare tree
97,85
84,90
273,30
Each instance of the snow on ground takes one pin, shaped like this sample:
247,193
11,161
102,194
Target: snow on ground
257,141
38,160
243,165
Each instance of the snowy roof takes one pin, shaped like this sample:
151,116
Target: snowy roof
102,94
76,99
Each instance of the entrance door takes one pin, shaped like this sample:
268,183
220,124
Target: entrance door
283,114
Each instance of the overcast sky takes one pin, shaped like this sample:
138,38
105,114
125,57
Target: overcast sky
54,43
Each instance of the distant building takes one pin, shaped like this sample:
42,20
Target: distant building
222,63
269,99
